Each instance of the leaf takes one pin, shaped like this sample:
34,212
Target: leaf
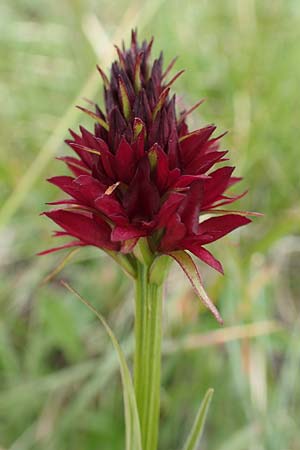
191,271
196,432
60,266
132,423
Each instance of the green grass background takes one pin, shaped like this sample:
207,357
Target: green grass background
59,382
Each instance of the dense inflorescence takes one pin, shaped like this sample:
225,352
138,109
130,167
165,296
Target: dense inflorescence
142,173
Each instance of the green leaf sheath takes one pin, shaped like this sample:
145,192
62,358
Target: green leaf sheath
147,361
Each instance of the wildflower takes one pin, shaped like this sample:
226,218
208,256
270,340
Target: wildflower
141,186
142,173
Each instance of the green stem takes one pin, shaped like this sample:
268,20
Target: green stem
147,361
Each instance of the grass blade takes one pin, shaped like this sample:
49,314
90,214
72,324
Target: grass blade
133,433
60,266
196,432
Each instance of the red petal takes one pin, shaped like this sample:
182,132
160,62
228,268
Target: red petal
190,208
90,188
202,163
84,188
61,181
66,185
85,157
174,233
216,185
139,131
169,207
68,245
173,149
227,200
216,227
67,201
190,144
107,158
187,180
77,166
88,230
162,167
205,256
141,200
125,233
125,161
234,180
109,206
174,175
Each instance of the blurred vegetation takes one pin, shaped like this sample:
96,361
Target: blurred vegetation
59,381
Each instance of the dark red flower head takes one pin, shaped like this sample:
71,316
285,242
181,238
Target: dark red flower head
141,172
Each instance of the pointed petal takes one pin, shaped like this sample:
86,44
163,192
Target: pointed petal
216,227
161,169
169,67
77,166
103,76
66,201
169,207
61,181
142,198
190,209
85,157
125,161
139,133
178,74
107,158
90,188
226,200
111,207
185,113
203,254
62,247
191,144
186,180
160,102
87,229
203,162
216,185
124,233
94,116
174,233
66,184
